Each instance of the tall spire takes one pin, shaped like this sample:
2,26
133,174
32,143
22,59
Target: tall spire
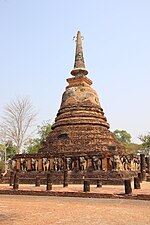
79,65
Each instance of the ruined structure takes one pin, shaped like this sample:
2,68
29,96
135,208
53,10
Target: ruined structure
80,126
80,141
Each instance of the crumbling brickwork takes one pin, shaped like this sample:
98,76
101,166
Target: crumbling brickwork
80,125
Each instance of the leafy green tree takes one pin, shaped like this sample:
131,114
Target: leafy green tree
11,150
35,144
132,148
145,142
2,158
44,130
6,152
2,152
122,136
2,166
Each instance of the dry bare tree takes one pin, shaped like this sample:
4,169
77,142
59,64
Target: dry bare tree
18,118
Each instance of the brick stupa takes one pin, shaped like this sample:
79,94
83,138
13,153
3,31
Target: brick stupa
80,126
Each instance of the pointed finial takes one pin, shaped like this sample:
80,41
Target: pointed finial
79,65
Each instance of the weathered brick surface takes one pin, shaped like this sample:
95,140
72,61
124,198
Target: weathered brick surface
80,125
111,177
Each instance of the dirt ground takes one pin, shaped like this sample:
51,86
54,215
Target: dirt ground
44,210
106,189
47,210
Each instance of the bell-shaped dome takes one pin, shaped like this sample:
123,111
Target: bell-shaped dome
80,105
80,96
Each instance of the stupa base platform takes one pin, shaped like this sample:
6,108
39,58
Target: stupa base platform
73,177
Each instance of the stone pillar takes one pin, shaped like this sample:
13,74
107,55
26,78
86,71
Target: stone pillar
99,183
148,164
86,186
104,164
49,182
65,181
28,164
11,178
16,181
37,181
128,189
18,164
144,175
137,183
40,164
140,177
143,166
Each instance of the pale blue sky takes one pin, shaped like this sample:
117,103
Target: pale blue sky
37,55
